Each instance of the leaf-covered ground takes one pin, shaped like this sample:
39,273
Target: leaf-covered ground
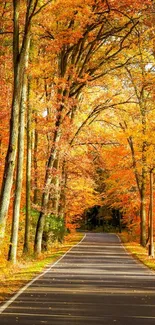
137,251
13,277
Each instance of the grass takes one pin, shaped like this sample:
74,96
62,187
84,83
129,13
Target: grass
13,277
137,251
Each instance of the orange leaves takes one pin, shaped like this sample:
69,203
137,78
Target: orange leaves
91,44
65,27
131,4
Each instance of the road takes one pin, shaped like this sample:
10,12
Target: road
97,282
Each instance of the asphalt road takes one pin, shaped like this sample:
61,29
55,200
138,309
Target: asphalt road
96,283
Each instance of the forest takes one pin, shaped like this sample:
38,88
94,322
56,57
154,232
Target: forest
77,118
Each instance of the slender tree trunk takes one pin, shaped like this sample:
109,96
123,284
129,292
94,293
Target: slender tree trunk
62,95
143,211
151,246
141,184
14,121
19,59
47,184
119,222
148,238
28,174
35,162
62,201
55,186
143,181
19,177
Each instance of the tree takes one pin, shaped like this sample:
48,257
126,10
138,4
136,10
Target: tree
21,40
88,63
19,174
20,53
86,52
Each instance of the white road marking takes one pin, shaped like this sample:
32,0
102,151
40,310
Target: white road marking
87,317
10,301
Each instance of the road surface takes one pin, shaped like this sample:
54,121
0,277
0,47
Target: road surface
97,282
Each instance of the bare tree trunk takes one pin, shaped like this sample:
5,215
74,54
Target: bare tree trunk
19,177
28,174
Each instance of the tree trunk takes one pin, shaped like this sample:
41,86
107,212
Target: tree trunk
62,96
143,213
143,181
55,195
19,59
62,202
35,163
47,184
28,174
141,184
151,246
119,222
19,177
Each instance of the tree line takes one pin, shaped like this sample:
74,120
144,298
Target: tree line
76,98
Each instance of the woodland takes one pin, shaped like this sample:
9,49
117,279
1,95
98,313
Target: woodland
77,118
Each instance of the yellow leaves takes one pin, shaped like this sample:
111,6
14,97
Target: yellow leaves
81,195
65,21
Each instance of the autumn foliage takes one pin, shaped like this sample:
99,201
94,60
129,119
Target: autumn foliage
77,95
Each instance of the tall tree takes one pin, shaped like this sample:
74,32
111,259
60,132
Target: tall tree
28,171
19,173
21,39
20,51
83,57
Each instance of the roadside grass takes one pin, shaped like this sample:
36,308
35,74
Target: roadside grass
13,277
136,250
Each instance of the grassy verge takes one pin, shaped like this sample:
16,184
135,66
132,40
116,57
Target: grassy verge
137,251
13,277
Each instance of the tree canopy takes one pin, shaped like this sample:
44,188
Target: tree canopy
77,115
